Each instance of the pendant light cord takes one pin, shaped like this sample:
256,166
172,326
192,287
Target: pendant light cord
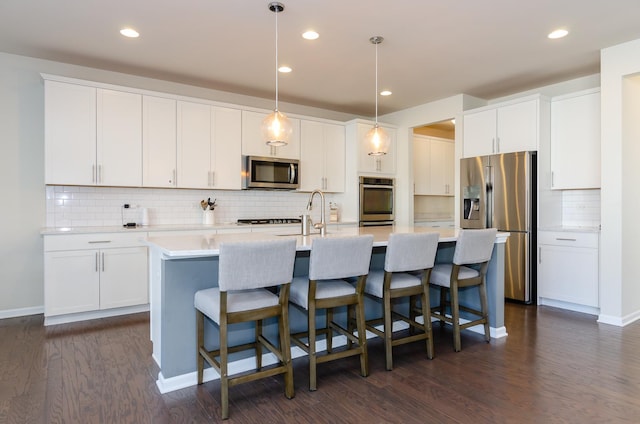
377,83
277,10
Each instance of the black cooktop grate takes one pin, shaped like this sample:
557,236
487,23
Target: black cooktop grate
255,221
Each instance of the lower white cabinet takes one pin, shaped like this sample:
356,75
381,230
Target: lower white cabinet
94,272
568,268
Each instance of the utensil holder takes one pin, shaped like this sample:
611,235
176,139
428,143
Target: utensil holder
208,218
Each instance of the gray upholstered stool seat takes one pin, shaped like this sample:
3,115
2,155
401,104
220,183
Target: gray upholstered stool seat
473,247
408,262
333,260
245,271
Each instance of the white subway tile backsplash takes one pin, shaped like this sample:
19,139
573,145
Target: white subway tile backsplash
581,208
72,206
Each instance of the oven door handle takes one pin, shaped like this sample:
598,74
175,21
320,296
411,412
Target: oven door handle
376,186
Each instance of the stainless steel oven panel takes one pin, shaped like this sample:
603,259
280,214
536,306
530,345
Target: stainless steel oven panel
376,201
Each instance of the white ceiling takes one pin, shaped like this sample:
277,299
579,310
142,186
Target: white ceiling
432,48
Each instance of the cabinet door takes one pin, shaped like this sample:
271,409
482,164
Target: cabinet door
569,274
334,158
72,282
441,167
421,165
367,164
70,133
575,140
312,155
158,142
226,149
479,133
123,277
254,145
517,129
119,138
194,145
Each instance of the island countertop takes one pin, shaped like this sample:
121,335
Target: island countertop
175,247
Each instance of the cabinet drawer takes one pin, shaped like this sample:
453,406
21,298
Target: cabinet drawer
54,243
565,238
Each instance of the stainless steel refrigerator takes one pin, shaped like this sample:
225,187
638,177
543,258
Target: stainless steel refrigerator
500,191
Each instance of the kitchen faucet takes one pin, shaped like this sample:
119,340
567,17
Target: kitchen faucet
322,224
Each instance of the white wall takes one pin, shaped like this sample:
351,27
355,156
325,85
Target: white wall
619,286
22,164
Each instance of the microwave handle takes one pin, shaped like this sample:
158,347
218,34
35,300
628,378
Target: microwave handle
292,173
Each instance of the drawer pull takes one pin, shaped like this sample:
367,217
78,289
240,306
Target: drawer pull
99,241
565,239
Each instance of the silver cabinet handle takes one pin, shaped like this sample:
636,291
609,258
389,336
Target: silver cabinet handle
99,241
99,178
565,239
93,174
102,261
97,260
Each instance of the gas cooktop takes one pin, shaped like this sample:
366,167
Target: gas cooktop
270,221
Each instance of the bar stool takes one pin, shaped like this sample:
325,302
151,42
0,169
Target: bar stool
331,261
245,270
405,252
473,247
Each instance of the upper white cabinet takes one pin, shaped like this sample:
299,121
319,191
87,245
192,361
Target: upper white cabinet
158,142
322,156
70,133
254,145
575,141
509,127
433,166
119,138
209,146
93,136
373,165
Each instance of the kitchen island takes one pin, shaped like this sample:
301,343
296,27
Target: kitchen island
182,265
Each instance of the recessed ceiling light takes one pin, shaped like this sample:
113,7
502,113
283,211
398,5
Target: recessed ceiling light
284,69
385,93
129,32
558,33
310,35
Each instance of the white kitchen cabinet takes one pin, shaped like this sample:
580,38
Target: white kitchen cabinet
504,128
254,145
158,142
119,138
575,141
209,152
322,156
94,272
93,136
568,269
433,166
70,133
373,165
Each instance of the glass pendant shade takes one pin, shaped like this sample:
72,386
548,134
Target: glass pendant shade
378,141
276,129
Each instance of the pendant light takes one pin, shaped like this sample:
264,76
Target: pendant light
276,127
377,138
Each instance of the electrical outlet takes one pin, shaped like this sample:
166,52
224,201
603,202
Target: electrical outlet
126,206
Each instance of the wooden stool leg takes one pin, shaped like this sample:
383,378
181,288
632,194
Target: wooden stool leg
224,374
388,331
443,303
285,349
329,331
484,309
455,316
312,347
362,337
426,313
258,345
199,343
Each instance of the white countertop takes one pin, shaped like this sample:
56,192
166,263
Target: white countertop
174,247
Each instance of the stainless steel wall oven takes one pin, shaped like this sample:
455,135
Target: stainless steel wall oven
376,201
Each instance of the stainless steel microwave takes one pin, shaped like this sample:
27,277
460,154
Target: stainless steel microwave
270,173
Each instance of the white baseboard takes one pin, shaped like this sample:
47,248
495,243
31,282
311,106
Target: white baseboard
83,316
21,312
591,310
166,385
619,321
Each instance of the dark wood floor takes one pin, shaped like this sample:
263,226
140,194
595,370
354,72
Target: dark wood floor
554,367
